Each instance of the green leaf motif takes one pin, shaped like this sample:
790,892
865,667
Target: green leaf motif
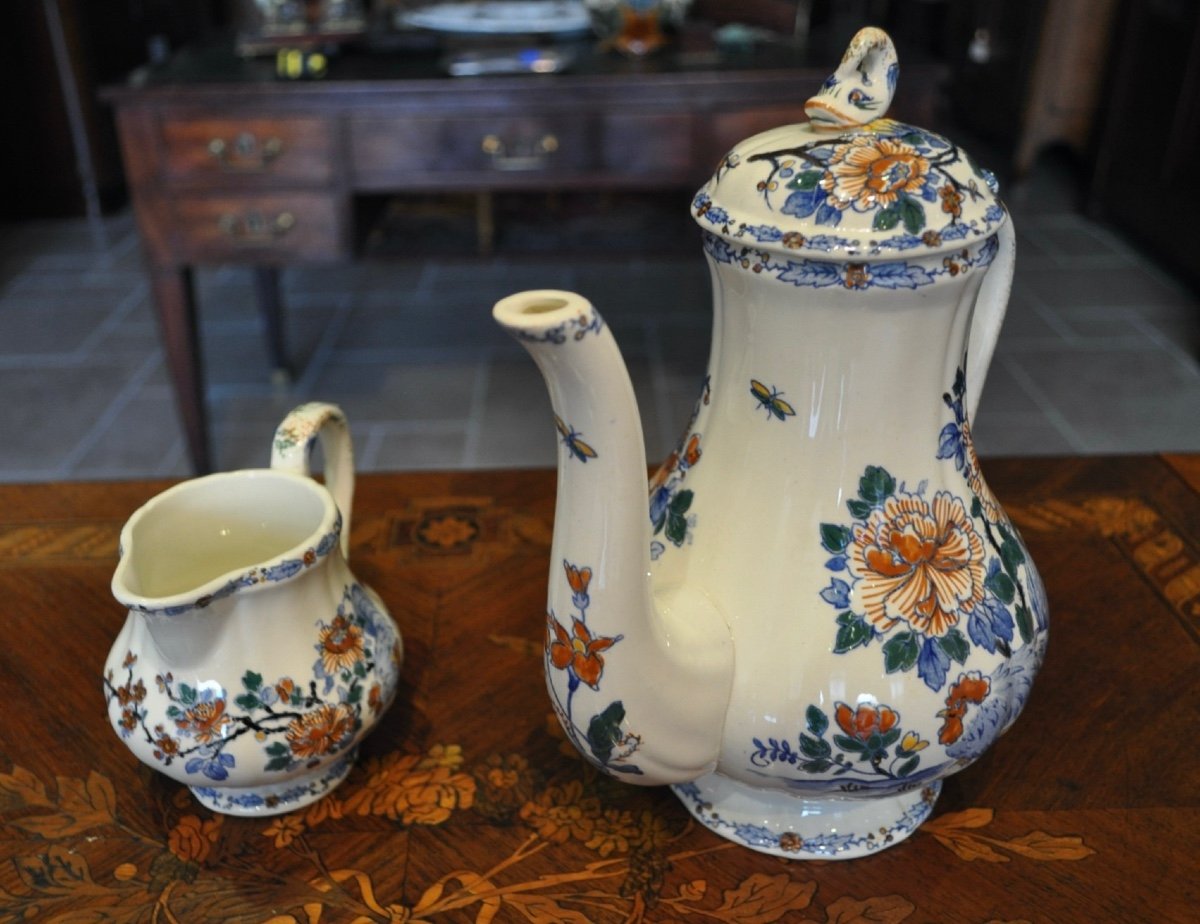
852,634
1025,623
808,179
681,502
900,652
676,528
277,749
908,766
847,743
604,731
889,738
815,748
886,219
859,509
1011,555
251,681
955,645
817,721
187,695
911,214
820,765
248,701
278,763
834,538
1002,586
876,485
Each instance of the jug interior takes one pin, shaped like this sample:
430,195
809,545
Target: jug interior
209,528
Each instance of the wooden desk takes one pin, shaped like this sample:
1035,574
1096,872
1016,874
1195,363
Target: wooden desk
467,806
226,164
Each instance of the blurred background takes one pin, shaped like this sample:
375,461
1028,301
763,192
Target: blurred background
1088,111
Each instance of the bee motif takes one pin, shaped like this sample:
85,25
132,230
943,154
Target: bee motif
571,439
771,400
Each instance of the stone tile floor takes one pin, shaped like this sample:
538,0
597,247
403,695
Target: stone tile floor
1098,355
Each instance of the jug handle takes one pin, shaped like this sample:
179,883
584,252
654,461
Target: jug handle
291,451
990,307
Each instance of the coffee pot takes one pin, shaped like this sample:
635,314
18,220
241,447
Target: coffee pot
821,611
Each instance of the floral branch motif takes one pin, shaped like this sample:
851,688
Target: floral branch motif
992,626
313,721
669,500
888,172
867,734
580,654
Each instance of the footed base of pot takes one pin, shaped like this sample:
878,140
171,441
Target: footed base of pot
800,827
276,798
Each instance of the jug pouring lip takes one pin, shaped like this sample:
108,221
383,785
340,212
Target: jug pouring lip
311,523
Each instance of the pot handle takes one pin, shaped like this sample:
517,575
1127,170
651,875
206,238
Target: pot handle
990,307
291,451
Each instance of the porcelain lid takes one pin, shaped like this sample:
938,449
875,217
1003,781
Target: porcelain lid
851,182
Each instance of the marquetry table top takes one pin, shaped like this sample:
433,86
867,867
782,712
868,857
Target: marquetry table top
467,805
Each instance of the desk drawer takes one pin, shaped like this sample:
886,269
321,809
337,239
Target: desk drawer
260,228
414,151
211,151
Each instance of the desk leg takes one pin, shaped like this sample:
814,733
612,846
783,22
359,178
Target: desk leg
175,303
270,306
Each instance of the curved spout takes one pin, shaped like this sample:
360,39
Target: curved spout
640,685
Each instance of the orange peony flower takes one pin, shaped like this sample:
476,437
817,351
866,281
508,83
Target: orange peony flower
865,721
341,645
580,651
871,172
918,562
321,731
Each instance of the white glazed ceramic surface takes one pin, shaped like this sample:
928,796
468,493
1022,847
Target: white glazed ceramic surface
251,663
826,612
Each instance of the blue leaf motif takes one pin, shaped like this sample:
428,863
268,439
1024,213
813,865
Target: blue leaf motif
951,446
213,766
764,233
900,275
837,563
811,273
988,622
828,215
932,664
837,594
803,202
720,250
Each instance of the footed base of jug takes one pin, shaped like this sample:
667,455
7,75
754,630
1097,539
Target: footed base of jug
803,827
276,798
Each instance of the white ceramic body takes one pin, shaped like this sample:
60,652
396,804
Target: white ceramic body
252,662
761,634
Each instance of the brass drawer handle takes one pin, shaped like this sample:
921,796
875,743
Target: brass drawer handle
255,228
520,154
245,152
